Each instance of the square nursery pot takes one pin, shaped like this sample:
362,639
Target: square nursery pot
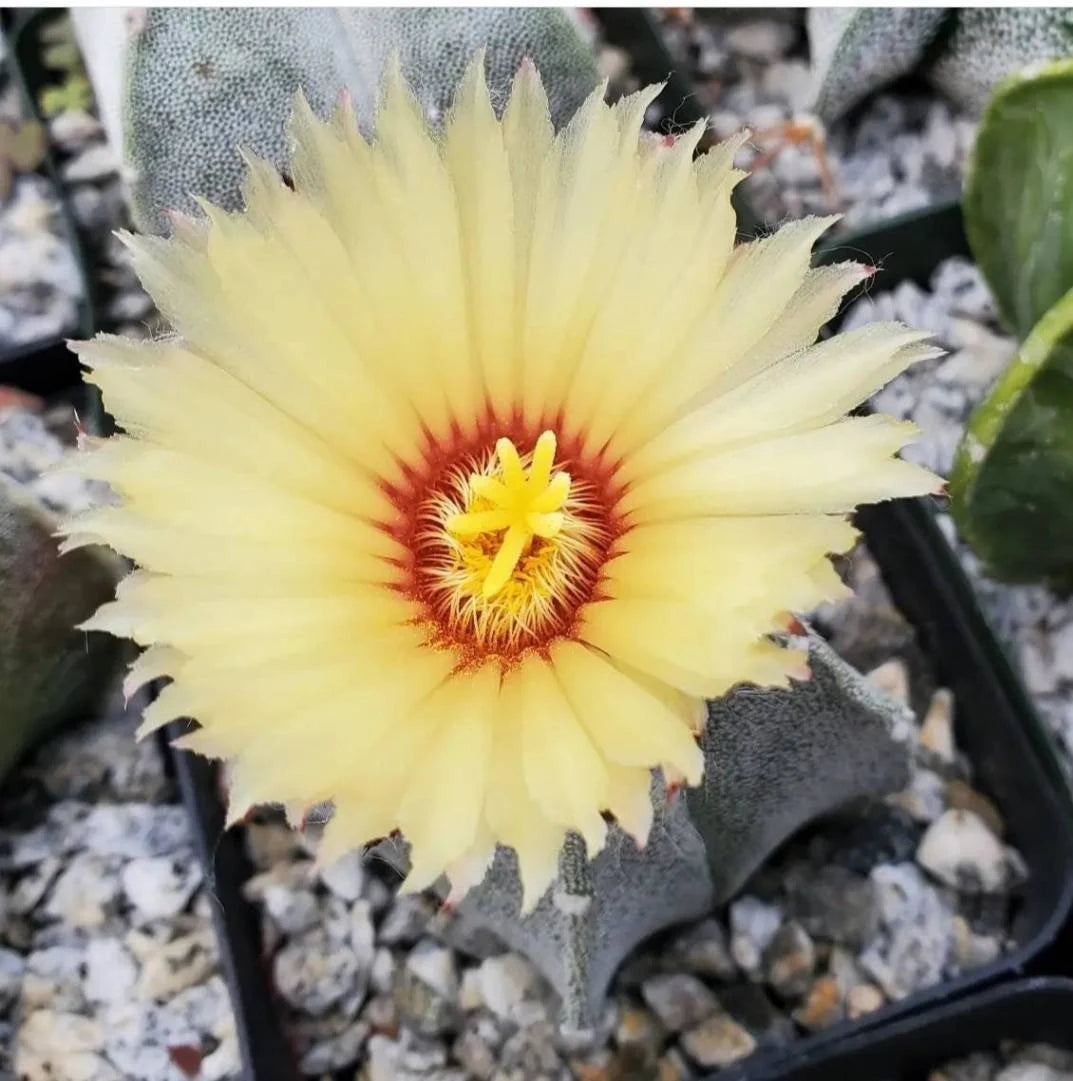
998,730
1024,1011
46,367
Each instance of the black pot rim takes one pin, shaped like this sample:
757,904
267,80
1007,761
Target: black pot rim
1025,1010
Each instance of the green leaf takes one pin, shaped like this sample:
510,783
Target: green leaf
1019,193
1012,483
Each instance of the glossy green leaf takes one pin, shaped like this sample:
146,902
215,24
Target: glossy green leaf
1019,193
1012,483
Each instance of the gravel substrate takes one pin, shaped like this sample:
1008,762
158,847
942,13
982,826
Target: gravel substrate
860,910
939,395
40,283
895,153
108,961
40,280
1016,1062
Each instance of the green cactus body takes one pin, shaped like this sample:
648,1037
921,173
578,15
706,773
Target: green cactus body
964,52
763,782
49,672
199,82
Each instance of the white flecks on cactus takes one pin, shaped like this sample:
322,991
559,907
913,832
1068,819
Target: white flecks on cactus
964,52
181,89
706,841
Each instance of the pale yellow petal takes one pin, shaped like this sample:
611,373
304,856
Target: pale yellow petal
829,470
441,810
628,725
629,799
563,771
510,811
759,283
480,174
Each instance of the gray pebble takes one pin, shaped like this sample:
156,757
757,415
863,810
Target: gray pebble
960,851
161,886
679,1000
753,924
790,960
96,162
913,946
312,973
718,1041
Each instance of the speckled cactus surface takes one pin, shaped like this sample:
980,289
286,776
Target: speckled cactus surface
181,88
774,761
964,52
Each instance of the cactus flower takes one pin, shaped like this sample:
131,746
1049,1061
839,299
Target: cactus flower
480,458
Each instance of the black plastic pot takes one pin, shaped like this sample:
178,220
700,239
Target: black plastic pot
1013,754
1025,1011
47,367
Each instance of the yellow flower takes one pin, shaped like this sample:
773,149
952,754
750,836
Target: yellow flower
478,461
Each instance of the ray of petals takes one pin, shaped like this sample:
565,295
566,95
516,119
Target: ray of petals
803,390
563,771
828,470
764,564
450,772
476,157
627,723
759,282
233,423
684,646
684,232
512,814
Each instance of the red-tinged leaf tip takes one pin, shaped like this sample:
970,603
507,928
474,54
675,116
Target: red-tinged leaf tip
796,627
672,790
186,1057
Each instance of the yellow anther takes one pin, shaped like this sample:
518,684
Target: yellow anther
521,506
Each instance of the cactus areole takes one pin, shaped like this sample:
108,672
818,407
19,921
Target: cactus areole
481,533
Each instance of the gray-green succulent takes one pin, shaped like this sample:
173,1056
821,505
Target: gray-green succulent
964,52
180,89
774,761
50,672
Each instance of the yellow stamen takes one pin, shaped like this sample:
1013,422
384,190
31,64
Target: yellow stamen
523,506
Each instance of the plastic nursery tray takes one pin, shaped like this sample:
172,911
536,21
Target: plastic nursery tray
997,725
1025,1011
46,367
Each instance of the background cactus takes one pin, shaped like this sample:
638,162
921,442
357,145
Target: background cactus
964,52
49,672
774,760
1013,474
180,89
